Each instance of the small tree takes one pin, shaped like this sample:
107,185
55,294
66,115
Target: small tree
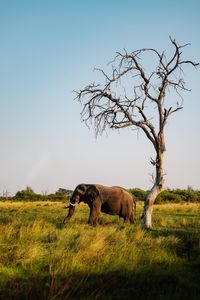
64,192
131,95
29,190
27,194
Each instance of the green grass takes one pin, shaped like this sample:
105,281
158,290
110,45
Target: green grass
40,258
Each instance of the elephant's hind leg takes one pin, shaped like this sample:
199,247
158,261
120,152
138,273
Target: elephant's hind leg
126,218
132,219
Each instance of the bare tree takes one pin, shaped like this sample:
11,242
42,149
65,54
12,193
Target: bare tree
132,95
6,193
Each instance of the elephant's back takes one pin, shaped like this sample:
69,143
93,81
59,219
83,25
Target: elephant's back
110,190
125,192
115,194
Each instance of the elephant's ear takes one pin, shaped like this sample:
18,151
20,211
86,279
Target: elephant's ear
92,193
81,189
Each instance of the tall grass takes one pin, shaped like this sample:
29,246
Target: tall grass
40,258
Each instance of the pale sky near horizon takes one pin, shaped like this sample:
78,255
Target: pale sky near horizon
50,48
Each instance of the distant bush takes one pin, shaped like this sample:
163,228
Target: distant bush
29,195
139,194
3,198
26,195
168,196
188,195
57,197
64,192
175,196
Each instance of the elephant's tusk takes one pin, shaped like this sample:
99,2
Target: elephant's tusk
72,204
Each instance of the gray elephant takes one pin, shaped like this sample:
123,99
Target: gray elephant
110,200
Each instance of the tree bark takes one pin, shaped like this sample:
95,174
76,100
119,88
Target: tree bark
146,218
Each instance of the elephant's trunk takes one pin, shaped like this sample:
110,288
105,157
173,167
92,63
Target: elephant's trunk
70,212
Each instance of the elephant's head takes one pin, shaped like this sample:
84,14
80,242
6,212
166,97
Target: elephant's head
82,193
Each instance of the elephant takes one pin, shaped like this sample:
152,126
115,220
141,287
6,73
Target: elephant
110,200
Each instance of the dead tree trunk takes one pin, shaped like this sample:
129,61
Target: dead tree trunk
146,218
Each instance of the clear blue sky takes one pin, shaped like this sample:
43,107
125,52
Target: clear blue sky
50,48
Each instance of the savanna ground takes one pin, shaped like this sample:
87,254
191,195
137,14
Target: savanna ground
40,258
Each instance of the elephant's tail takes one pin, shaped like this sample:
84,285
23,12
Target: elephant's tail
134,210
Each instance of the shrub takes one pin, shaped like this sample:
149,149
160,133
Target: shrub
64,192
27,195
139,194
168,196
188,195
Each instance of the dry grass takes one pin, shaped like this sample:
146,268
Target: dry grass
40,254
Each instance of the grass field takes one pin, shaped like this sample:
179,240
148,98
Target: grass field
40,258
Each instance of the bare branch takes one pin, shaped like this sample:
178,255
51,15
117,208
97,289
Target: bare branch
114,105
189,62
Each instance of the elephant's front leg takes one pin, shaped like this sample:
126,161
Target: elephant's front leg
94,213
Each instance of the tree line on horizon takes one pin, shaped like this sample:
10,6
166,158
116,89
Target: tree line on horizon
62,194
